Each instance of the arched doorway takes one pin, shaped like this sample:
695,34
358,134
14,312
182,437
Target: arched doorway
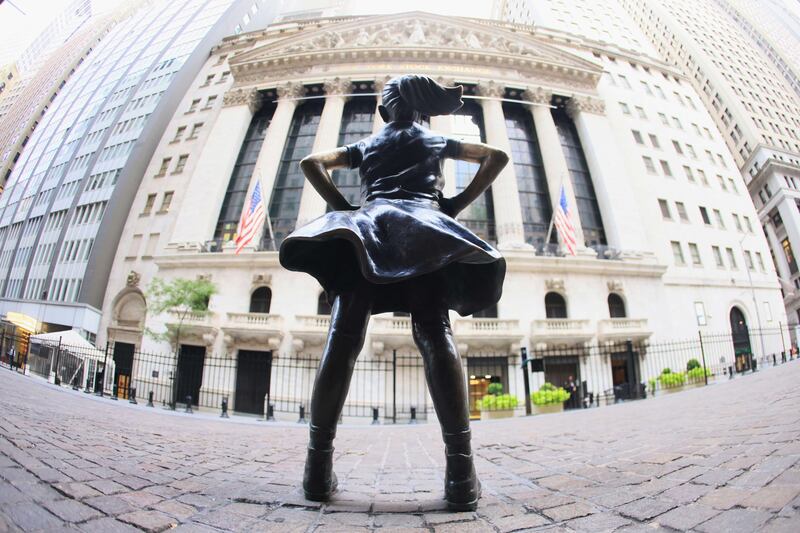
741,340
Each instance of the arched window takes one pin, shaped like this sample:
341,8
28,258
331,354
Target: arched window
616,306
323,307
260,300
555,306
489,312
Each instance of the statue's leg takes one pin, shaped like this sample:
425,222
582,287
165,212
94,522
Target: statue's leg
349,319
434,338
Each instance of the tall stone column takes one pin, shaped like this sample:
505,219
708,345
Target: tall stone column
505,193
311,203
555,164
205,189
444,126
781,263
377,121
618,207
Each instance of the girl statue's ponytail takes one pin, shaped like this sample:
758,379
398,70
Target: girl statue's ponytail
420,94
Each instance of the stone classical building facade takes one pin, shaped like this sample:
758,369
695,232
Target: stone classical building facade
658,220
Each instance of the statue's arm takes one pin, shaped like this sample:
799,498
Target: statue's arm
316,168
491,161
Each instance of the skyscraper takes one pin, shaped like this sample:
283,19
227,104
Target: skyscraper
83,164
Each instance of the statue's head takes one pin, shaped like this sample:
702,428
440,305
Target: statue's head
409,97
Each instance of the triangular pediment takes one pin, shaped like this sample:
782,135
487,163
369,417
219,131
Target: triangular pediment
417,33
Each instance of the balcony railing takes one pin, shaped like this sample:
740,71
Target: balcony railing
611,329
258,320
563,330
191,318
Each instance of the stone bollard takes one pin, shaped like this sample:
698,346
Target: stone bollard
150,399
224,407
413,416
188,404
302,419
375,420
132,396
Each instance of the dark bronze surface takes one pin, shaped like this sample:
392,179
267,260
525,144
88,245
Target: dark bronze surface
401,250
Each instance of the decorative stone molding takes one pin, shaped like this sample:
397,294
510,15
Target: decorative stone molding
554,284
446,81
337,86
249,97
491,89
133,279
261,279
538,95
291,91
587,104
204,277
380,82
615,286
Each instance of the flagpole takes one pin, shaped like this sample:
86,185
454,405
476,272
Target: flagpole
266,214
553,215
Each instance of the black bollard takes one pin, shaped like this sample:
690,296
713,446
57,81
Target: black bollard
132,395
783,357
375,416
150,399
413,416
775,362
88,388
224,407
188,404
302,419
114,392
270,412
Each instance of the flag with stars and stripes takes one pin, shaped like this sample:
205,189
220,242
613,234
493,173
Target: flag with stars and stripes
252,219
564,225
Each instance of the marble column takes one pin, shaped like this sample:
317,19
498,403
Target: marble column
781,263
377,121
330,122
505,193
205,188
555,164
615,197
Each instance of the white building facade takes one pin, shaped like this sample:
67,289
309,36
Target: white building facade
657,201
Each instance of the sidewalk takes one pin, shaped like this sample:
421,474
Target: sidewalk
721,458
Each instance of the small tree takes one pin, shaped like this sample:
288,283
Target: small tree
181,297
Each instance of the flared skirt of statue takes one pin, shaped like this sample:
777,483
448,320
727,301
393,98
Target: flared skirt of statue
388,243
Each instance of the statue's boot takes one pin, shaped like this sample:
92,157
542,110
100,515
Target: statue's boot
319,479
461,486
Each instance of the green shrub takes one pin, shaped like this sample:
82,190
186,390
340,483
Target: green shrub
652,383
666,371
672,379
692,364
495,388
698,373
492,402
549,394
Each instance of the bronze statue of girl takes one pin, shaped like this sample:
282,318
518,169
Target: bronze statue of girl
401,250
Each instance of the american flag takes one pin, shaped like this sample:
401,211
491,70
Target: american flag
564,225
252,219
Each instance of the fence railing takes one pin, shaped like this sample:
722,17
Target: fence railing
391,387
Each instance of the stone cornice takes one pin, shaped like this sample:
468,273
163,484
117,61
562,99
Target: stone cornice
239,96
290,90
538,95
337,86
491,89
585,104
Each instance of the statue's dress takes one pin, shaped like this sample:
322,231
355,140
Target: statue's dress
399,233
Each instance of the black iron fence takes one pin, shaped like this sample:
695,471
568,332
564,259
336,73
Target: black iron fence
391,387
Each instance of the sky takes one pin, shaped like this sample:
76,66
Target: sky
20,25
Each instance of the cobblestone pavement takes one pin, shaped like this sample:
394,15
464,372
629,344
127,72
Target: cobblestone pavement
719,458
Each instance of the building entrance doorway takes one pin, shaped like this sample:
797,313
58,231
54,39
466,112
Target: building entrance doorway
190,372
482,372
565,371
123,368
253,371
625,375
741,340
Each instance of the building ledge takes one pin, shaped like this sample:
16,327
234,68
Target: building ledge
561,331
253,329
622,329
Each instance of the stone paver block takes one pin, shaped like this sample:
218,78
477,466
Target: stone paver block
735,521
686,493
568,512
519,522
724,497
71,510
107,525
773,497
31,517
687,516
598,523
151,521
646,508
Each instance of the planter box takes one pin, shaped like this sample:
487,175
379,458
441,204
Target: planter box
548,408
497,413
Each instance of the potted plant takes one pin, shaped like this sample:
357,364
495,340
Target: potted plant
698,374
549,399
671,381
496,404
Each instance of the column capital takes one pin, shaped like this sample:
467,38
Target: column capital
337,86
252,98
380,82
587,104
491,89
290,90
538,95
